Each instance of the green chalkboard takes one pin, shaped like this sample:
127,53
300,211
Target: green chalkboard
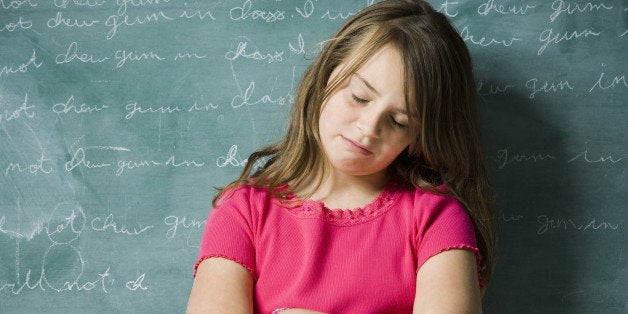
117,119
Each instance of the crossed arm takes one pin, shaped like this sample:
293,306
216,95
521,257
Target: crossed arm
446,283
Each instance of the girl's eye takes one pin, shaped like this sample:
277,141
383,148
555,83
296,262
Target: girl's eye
358,99
397,124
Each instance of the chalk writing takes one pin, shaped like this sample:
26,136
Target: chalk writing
133,109
79,159
79,3
109,224
548,37
246,12
511,217
115,21
71,107
586,157
490,6
560,7
504,158
207,107
547,224
188,55
72,53
241,51
337,15
445,8
16,4
176,222
547,87
123,56
134,164
245,99
197,14
124,4
59,20
604,83
183,163
138,283
231,159
41,165
23,111
299,48
19,24
307,9
485,42
492,89
22,68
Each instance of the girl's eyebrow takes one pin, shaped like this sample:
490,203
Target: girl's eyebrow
370,87
367,84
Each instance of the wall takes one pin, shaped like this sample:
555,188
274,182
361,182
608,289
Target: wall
117,119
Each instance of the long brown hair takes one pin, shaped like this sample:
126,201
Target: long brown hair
441,101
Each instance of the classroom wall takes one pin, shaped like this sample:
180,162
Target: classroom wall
118,119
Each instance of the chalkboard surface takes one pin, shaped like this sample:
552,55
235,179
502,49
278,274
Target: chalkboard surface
117,119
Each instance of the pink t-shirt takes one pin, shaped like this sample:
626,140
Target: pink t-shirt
336,261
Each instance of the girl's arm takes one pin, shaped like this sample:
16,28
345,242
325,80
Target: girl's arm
221,286
448,283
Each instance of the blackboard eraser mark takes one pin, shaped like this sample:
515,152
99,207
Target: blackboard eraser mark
511,9
244,12
24,111
484,41
548,37
605,83
559,7
23,67
16,4
20,24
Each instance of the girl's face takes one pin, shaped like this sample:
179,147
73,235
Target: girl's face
363,125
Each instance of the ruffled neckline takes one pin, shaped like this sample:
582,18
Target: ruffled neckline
314,209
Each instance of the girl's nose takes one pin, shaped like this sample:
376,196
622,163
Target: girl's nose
369,123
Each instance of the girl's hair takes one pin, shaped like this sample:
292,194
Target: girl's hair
441,99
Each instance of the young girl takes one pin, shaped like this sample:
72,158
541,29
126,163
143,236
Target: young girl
377,199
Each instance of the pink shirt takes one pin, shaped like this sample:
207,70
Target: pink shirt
336,261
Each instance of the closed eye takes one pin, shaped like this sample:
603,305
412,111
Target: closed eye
397,124
358,99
